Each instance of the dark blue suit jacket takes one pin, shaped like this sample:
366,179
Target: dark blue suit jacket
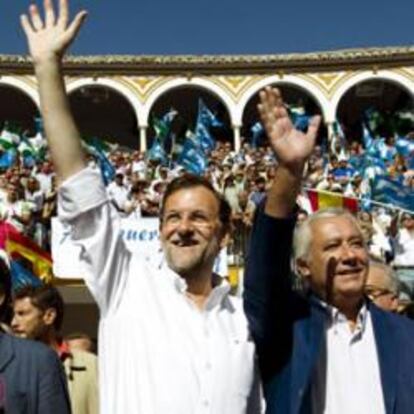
288,329
33,378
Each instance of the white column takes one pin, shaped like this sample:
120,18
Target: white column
143,138
329,127
237,138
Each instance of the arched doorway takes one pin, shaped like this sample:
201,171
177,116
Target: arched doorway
185,101
392,104
17,109
103,112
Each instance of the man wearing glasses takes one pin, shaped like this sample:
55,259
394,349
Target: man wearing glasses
382,286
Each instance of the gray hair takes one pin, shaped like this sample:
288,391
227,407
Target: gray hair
302,237
392,280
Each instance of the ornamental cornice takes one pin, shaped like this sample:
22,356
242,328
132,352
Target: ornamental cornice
190,65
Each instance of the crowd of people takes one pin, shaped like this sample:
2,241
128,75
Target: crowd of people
28,194
172,338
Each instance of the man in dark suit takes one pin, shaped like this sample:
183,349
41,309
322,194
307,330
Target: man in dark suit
31,376
331,350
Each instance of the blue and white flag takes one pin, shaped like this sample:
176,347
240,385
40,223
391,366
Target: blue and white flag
206,117
205,120
96,148
193,158
7,158
107,169
404,146
300,119
389,191
168,117
372,119
204,138
157,152
257,131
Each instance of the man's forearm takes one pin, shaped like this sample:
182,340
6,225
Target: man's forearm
61,131
281,199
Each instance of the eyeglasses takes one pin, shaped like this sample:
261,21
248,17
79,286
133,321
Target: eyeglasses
374,292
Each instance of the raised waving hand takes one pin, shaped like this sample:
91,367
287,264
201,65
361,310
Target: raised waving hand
49,37
291,146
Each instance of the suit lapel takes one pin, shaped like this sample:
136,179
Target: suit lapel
387,350
308,337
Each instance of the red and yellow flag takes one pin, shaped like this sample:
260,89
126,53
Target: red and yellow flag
322,199
18,244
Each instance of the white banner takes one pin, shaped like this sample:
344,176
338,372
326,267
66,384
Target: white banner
141,236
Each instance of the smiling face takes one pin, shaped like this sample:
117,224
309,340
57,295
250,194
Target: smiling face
191,231
337,261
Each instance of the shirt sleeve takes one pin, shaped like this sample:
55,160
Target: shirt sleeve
95,227
267,283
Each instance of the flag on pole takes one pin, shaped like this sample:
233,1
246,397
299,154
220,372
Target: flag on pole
390,191
405,146
19,245
204,138
300,119
7,158
157,152
8,139
97,147
192,158
162,126
325,199
28,152
257,132
205,120
206,117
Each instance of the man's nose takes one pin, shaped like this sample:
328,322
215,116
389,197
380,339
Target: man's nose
348,252
14,323
185,226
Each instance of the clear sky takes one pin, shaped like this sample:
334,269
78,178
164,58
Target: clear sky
226,26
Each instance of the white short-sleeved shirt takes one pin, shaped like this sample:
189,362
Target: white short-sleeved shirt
158,352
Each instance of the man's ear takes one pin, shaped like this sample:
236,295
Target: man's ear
302,268
49,316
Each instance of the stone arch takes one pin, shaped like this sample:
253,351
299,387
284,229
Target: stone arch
293,80
201,83
23,105
386,75
123,90
366,90
119,120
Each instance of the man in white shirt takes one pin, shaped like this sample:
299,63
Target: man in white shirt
15,209
118,192
171,338
404,242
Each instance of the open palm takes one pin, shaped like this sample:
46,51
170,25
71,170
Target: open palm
291,146
51,36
